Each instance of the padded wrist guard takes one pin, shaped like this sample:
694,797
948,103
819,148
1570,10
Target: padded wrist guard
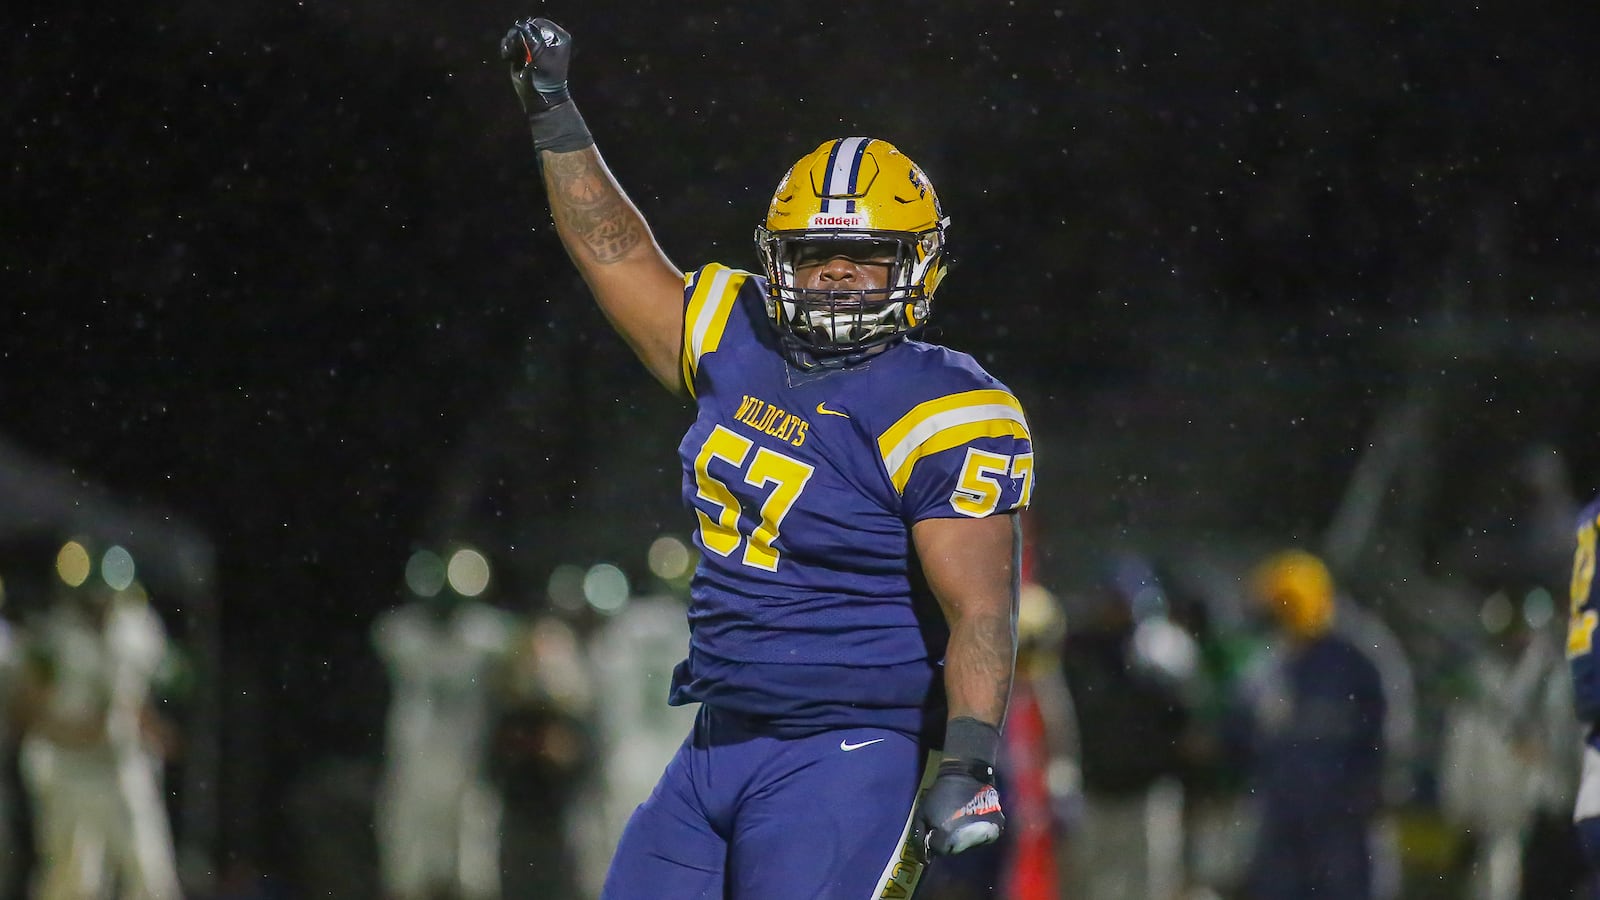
971,740
560,129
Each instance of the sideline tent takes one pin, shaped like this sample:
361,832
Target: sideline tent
39,499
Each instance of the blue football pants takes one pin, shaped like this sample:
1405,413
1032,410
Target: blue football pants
740,814
1327,858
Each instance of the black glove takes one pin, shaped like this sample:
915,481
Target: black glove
961,809
539,53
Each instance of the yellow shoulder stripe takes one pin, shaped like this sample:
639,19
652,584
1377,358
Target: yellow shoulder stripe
706,314
946,422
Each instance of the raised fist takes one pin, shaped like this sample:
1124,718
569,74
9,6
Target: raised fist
538,52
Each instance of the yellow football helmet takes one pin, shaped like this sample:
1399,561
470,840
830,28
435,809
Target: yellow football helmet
853,189
1296,589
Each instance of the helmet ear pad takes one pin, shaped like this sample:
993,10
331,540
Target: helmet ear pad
918,311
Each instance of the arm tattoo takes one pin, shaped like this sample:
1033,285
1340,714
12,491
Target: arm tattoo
987,660
587,205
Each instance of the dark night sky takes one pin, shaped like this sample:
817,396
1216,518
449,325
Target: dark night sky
268,266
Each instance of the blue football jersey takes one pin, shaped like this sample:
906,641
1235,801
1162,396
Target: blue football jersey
807,609
1585,617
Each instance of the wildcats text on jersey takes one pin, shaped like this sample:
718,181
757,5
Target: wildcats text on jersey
774,420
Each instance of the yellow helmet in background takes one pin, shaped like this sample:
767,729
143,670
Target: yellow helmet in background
1041,627
854,189
1296,589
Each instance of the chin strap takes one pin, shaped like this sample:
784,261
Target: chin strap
806,358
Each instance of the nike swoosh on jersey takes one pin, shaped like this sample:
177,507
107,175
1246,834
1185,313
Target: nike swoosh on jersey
846,746
822,409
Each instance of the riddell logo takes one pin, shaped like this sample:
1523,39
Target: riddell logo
838,220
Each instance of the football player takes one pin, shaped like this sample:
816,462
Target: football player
93,743
1586,680
856,490
1314,738
438,815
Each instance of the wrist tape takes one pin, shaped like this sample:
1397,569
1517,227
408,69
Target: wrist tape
560,129
971,740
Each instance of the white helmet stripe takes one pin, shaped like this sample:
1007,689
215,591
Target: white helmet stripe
844,164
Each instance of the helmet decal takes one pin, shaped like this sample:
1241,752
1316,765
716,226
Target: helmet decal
916,181
844,168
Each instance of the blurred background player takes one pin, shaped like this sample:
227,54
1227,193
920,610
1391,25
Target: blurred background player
1508,757
543,756
1132,672
856,491
93,744
438,815
11,659
631,655
1041,751
1507,768
1311,737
